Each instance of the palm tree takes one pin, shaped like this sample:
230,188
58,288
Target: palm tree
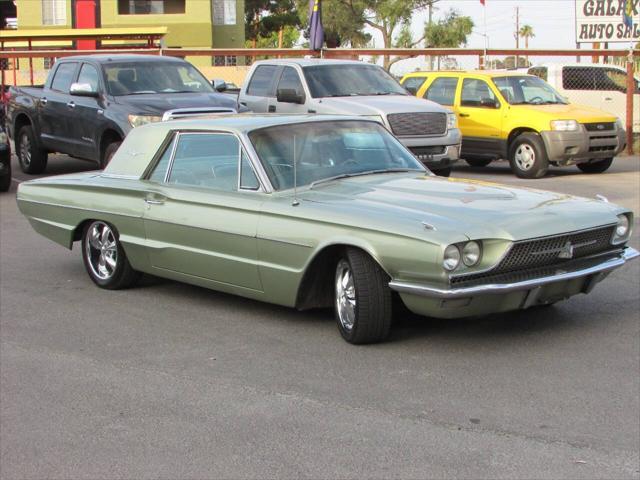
526,32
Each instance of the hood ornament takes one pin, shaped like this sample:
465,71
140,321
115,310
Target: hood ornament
428,226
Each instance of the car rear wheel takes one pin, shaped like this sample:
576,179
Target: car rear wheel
478,162
31,157
362,299
528,157
109,152
105,259
596,167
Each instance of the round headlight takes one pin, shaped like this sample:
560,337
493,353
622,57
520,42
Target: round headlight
471,254
451,258
623,227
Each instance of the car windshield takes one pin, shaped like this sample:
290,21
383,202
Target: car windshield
527,90
350,80
134,78
326,151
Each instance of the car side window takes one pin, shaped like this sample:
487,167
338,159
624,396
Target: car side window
207,160
89,75
578,78
413,84
261,81
159,172
63,77
290,80
248,179
442,91
476,93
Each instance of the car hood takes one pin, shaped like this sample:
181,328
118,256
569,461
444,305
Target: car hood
376,105
571,111
476,209
156,104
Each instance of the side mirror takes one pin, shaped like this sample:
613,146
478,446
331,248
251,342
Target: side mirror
489,102
289,95
219,85
83,90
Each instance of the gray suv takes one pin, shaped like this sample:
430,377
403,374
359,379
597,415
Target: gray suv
355,88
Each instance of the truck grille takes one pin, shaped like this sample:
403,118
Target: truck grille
547,251
417,124
600,126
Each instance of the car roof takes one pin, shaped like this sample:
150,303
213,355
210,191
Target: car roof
480,73
311,62
106,58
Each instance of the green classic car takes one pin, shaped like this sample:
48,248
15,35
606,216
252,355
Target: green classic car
315,211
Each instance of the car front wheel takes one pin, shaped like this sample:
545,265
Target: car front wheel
362,299
528,156
596,167
105,259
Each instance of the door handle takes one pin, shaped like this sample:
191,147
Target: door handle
272,108
71,104
43,101
153,201
464,115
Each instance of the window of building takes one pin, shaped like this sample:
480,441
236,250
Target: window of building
63,77
261,80
54,12
442,90
48,62
225,61
150,7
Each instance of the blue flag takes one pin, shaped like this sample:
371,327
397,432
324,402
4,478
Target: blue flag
316,32
627,14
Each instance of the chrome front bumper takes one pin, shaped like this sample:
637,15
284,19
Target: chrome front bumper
592,274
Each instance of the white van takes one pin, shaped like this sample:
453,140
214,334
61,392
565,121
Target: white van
596,85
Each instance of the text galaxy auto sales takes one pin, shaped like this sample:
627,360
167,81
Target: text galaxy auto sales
604,20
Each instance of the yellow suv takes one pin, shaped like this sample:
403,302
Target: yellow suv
522,118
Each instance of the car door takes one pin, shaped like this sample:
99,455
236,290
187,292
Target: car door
55,127
260,89
289,80
87,120
201,220
480,115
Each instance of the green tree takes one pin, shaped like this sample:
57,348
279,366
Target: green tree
263,18
340,28
526,32
449,32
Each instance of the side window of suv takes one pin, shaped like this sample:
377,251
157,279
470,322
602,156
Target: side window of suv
63,77
442,91
290,80
261,81
476,93
578,78
413,84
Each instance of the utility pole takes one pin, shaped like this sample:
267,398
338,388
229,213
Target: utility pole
517,35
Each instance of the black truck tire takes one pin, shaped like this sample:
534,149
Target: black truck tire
31,157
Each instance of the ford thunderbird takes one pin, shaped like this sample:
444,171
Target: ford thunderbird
315,211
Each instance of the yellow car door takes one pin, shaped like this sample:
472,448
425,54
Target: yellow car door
480,111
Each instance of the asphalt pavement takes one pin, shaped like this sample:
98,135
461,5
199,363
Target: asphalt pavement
168,380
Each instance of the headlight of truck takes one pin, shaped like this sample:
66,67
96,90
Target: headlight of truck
471,253
452,120
623,229
619,124
138,120
564,125
467,253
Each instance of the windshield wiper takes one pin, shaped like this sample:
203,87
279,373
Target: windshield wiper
141,92
366,172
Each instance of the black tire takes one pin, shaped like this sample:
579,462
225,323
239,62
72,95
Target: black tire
362,299
117,273
528,156
109,152
478,162
31,157
5,179
442,172
596,167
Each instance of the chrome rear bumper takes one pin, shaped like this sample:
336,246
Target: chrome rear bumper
593,273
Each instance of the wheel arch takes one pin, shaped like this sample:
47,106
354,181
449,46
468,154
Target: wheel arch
20,120
515,133
109,135
314,289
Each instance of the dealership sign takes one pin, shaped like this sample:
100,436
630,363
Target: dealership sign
607,20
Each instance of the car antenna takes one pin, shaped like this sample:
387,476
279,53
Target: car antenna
295,202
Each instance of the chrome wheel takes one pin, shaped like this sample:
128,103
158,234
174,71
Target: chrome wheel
101,250
25,150
345,295
525,156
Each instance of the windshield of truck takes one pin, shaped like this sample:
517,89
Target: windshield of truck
527,90
327,151
348,80
133,78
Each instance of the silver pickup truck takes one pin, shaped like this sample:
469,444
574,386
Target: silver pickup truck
355,88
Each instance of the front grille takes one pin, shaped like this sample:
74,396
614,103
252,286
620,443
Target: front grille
605,148
417,124
542,252
600,126
433,150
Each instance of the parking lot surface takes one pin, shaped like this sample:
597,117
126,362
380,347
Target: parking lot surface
168,380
